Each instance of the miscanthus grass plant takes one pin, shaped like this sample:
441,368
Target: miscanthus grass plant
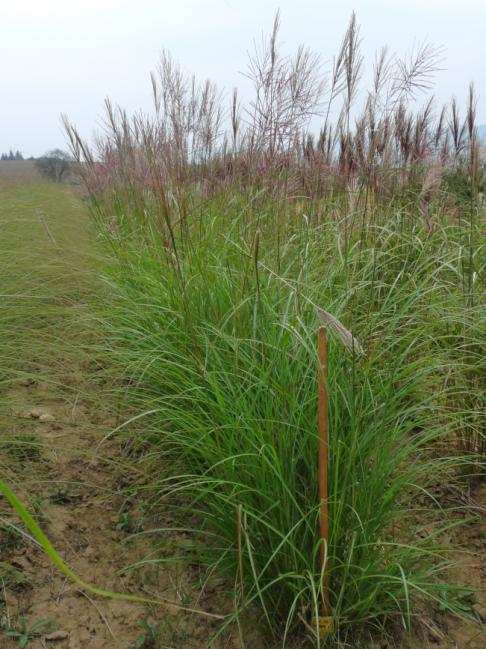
224,242
221,347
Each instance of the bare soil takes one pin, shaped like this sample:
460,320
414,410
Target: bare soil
18,170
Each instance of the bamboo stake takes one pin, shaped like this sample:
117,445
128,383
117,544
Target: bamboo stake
325,621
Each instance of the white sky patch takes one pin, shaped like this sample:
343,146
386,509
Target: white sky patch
66,56
46,10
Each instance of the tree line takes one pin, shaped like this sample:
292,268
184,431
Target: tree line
12,156
54,164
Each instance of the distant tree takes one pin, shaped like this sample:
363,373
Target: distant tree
12,156
54,164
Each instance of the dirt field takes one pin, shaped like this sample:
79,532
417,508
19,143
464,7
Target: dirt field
18,170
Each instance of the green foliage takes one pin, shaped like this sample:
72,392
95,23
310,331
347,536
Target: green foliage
458,183
216,334
21,447
23,634
12,578
10,538
126,523
147,639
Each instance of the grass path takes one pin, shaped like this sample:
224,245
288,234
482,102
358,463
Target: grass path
53,413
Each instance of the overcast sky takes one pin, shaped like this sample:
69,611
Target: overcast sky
66,56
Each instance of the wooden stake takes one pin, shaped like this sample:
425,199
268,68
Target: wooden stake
325,622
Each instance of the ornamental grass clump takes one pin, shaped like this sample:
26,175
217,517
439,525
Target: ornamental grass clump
229,242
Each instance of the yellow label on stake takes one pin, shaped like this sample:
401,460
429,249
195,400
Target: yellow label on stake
325,625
